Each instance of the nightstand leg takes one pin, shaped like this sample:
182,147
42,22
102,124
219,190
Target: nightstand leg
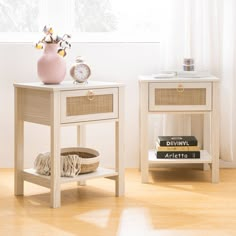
55,153
119,181
19,158
215,134
215,173
144,171
19,144
81,132
55,169
144,149
143,136
206,137
215,157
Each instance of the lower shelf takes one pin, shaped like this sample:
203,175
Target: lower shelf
205,157
30,175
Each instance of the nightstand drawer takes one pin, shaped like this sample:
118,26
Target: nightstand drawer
179,96
87,105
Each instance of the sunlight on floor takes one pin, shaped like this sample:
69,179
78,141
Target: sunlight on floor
100,218
134,221
137,221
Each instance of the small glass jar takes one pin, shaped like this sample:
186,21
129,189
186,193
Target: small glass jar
188,64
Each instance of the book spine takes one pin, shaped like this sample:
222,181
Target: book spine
178,155
178,143
176,148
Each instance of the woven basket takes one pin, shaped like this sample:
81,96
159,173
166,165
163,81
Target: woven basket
74,161
89,158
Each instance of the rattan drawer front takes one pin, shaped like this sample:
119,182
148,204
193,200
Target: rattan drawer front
89,105
76,106
175,97
179,96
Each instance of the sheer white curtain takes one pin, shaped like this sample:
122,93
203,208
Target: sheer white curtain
228,82
206,31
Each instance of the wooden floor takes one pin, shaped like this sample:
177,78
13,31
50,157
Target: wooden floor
178,202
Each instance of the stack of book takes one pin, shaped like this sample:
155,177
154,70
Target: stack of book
177,147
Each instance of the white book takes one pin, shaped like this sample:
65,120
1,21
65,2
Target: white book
193,74
165,74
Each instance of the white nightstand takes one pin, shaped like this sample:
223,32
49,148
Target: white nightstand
180,96
62,105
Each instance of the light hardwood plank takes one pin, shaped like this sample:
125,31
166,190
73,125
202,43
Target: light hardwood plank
176,202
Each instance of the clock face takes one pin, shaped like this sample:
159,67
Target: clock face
81,72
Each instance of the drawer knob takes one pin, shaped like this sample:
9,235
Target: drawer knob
180,88
90,95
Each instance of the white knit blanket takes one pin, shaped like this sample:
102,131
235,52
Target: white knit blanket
70,164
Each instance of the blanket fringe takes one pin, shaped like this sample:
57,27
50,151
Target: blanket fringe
70,165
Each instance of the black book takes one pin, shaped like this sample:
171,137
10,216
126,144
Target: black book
177,141
178,155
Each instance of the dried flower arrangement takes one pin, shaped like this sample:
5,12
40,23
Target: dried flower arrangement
51,37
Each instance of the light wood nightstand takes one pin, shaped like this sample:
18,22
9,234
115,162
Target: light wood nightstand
180,96
64,105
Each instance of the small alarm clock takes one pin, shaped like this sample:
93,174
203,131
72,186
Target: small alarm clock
80,71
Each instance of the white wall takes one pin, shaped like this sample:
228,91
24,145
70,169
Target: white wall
121,62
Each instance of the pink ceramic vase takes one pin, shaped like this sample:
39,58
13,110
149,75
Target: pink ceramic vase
51,66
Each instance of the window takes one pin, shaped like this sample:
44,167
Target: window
116,15
84,19
20,16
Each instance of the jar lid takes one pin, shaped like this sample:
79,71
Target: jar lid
188,61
